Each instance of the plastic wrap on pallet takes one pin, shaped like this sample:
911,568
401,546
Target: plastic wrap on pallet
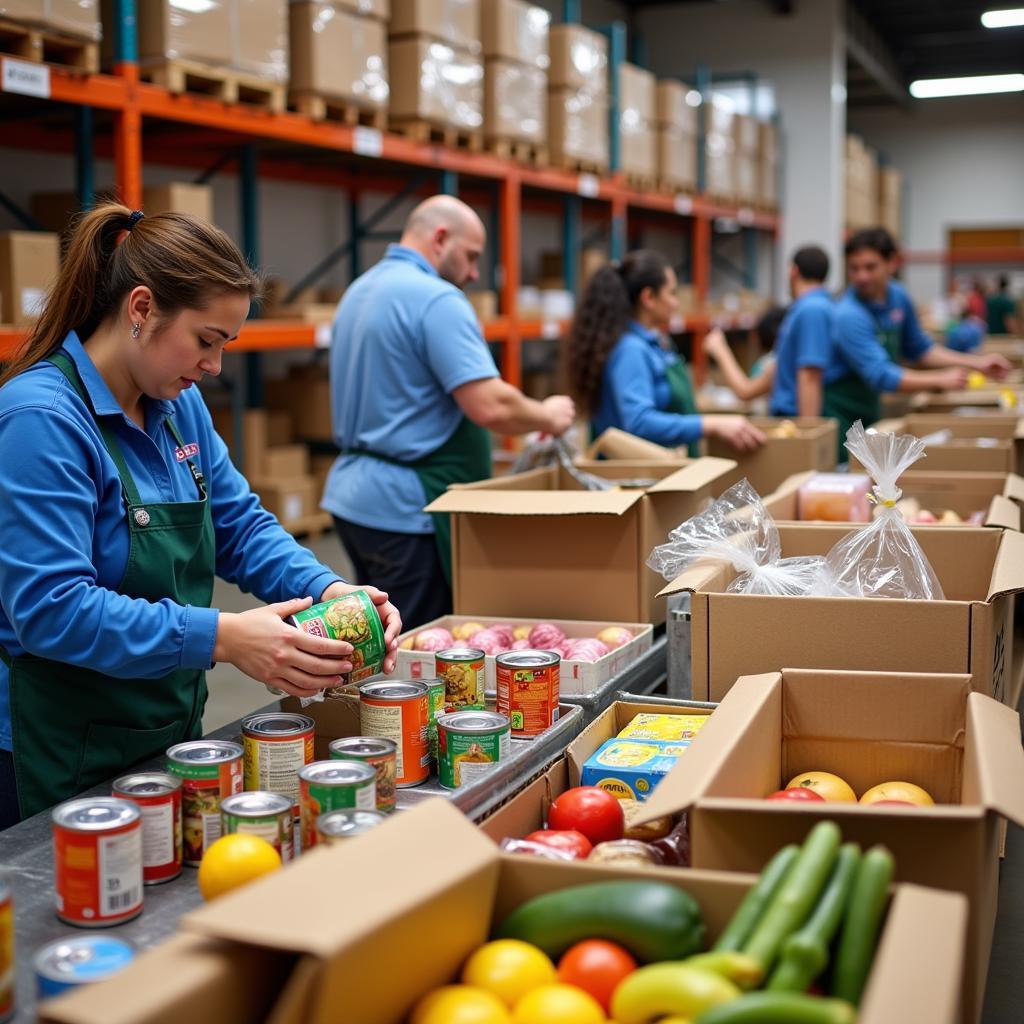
259,35
672,108
514,30
677,158
768,142
578,126
719,170
78,18
436,83
768,183
457,22
515,102
199,32
579,59
380,9
745,174
747,133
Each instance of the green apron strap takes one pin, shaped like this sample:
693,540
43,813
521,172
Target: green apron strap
681,399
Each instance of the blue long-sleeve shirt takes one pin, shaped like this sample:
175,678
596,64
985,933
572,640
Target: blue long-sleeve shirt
635,393
65,536
805,340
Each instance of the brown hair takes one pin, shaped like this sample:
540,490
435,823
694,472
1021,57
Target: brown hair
183,261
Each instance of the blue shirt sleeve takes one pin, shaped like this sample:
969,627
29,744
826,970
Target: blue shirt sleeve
812,337
915,343
630,377
453,345
863,352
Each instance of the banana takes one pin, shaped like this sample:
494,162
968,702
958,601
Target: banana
666,989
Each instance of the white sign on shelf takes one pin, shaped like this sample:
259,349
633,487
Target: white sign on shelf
683,205
550,330
745,216
28,79
367,141
588,185
322,336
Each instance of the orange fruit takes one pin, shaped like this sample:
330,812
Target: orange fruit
558,1004
509,969
233,861
905,792
826,785
460,1004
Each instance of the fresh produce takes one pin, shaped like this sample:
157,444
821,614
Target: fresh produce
545,635
508,969
521,633
893,803
897,792
754,904
465,630
653,920
505,630
434,639
584,649
233,861
660,989
739,968
649,830
615,637
799,794
597,967
521,645
827,785
460,1004
590,810
489,641
558,1004
780,1008
569,841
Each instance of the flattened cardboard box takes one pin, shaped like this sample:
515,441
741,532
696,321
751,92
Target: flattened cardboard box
443,887
868,728
969,632
536,544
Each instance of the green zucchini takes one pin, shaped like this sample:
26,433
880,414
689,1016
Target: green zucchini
754,904
780,1008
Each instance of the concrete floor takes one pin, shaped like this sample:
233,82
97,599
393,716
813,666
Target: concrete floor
233,694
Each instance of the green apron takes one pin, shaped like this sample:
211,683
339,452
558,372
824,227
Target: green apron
681,399
463,459
74,727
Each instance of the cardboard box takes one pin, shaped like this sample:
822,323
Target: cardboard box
638,151
535,544
198,32
260,39
637,94
747,130
379,9
677,159
456,22
288,500
515,102
78,18
970,632
305,396
616,444
768,142
720,119
579,59
285,461
514,30
768,183
964,748
671,109
339,55
29,264
719,161
431,81
746,171
1002,398
578,127
320,468
484,303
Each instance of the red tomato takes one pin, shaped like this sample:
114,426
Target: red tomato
799,794
566,840
597,967
590,810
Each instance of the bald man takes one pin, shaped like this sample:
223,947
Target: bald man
415,394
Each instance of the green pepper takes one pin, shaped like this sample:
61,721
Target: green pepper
749,912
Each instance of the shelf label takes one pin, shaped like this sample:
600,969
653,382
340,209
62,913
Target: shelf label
745,215
322,336
367,141
683,205
25,78
549,330
677,325
588,185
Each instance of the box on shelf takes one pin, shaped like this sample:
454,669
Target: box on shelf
262,431
637,94
78,18
484,303
637,139
671,110
288,499
260,38
379,9
719,165
432,82
579,59
768,141
320,468
868,728
168,31
305,395
746,171
285,461
748,135
638,155
677,159
514,30
515,102
578,127
29,264
969,632
537,544
456,22
768,183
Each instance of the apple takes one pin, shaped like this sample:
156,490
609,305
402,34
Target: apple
614,637
797,795
434,639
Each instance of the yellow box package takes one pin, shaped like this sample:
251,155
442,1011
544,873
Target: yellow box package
663,727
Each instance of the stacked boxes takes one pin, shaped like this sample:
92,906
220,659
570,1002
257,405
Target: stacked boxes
638,153
29,262
861,184
890,191
747,165
77,18
720,149
578,98
437,76
768,165
516,60
676,137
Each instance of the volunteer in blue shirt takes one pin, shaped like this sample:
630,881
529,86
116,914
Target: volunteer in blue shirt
118,505
623,370
414,392
876,328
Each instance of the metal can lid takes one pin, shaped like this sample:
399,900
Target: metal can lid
528,659
397,690
348,822
476,722
146,784
256,804
277,723
95,814
461,654
363,746
338,773
204,752
83,958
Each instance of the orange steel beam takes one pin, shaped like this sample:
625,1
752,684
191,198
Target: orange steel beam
128,140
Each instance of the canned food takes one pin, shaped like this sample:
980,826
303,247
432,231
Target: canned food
354,619
276,745
6,949
210,770
377,752
527,683
463,670
398,711
97,861
435,709
470,744
333,786
337,825
81,960
158,798
267,815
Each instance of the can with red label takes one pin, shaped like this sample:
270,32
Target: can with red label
528,685
158,797
97,860
399,710
6,950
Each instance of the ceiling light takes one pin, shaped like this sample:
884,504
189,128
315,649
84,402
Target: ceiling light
974,85
1003,19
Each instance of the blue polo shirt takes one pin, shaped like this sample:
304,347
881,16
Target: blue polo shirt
857,348
403,340
65,533
635,393
805,340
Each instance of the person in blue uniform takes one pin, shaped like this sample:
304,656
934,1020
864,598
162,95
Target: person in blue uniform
625,373
119,505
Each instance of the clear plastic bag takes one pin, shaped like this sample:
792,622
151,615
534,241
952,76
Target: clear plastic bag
884,559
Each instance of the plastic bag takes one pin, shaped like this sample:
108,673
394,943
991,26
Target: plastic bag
884,559
535,849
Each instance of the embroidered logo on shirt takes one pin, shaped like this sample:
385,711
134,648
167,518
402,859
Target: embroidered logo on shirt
187,452
896,316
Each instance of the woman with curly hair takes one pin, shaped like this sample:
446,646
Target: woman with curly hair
624,372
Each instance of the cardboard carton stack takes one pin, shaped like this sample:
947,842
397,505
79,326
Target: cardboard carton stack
720,149
29,263
578,99
747,164
676,138
638,140
890,199
768,165
60,31
861,184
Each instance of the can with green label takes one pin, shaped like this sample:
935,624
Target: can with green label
435,709
470,744
331,786
263,814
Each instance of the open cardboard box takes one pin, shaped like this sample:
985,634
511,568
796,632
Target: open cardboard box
423,891
537,544
616,444
576,677
969,632
868,728
1001,494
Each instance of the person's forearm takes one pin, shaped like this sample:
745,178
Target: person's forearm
939,356
808,393
919,380
736,380
509,411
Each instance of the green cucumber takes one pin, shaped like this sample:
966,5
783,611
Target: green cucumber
653,920
780,1008
754,904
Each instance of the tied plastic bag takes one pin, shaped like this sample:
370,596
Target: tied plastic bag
738,529
884,559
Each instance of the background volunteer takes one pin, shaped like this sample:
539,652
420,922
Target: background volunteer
414,392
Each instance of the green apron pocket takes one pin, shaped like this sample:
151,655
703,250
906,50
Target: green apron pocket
109,748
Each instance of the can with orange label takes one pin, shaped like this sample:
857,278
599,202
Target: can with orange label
6,950
399,711
97,861
528,683
277,744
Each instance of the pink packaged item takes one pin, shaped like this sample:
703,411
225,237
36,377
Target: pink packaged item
835,498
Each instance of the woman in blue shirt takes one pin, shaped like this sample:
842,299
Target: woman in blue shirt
624,372
119,505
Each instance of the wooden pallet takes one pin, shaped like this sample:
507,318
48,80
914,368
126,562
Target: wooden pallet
580,166
445,134
324,108
641,182
530,153
310,527
675,188
43,45
226,84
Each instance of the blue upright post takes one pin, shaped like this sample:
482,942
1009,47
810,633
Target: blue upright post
85,165
704,88
572,12
616,58
355,233
450,183
126,44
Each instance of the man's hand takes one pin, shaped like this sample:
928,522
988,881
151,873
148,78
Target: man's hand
561,411
995,366
714,342
953,378
389,615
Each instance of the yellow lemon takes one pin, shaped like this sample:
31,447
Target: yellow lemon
509,968
558,1004
460,1004
233,861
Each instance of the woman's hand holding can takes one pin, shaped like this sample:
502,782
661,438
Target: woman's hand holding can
389,615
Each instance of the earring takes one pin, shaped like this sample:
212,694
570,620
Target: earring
136,331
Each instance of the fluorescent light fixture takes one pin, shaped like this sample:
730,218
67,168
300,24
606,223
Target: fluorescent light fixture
1008,18
974,85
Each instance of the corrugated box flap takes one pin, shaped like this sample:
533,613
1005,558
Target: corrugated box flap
1008,572
1003,513
537,503
1018,430
698,474
697,577
617,444
1014,488
995,757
